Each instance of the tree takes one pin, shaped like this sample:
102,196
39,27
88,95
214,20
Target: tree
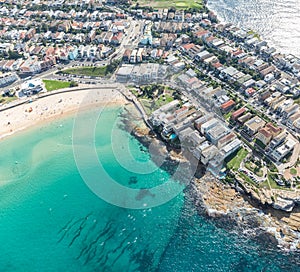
14,55
73,84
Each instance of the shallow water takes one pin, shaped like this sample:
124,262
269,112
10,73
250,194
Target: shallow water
51,221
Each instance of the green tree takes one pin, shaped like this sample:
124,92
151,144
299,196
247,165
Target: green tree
73,84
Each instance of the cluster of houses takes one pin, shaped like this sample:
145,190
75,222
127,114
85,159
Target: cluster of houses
275,142
34,39
232,55
171,15
207,137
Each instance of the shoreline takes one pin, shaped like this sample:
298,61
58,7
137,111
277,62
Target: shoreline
62,104
225,203
216,208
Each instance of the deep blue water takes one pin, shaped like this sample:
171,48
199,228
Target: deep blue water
51,221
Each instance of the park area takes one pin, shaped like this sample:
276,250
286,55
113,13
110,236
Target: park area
178,4
52,85
234,160
87,71
152,97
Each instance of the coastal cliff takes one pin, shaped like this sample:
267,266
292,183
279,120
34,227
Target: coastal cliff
224,202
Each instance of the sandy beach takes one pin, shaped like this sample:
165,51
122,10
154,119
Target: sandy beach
50,107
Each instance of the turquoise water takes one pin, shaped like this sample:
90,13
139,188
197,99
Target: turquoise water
51,221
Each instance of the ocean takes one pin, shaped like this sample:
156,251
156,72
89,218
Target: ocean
51,221
277,21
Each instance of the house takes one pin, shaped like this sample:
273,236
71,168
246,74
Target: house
208,125
186,47
227,106
289,111
266,134
200,121
73,53
202,55
208,154
293,118
264,95
133,56
7,79
277,140
116,39
250,92
296,125
228,73
190,138
253,125
238,113
31,65
126,55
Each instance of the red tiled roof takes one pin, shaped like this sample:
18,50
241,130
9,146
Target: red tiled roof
238,113
227,104
217,65
188,46
272,129
250,91
265,132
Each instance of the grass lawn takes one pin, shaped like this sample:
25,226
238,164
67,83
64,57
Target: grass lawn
227,116
155,99
247,179
179,4
235,161
87,71
273,183
254,168
152,105
52,85
6,99
264,184
293,171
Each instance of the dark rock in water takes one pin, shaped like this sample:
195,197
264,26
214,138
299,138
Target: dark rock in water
143,193
266,239
133,180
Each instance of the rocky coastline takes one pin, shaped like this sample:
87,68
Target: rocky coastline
227,204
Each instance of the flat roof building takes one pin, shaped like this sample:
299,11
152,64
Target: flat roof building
208,125
283,150
216,133
253,125
208,154
231,147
